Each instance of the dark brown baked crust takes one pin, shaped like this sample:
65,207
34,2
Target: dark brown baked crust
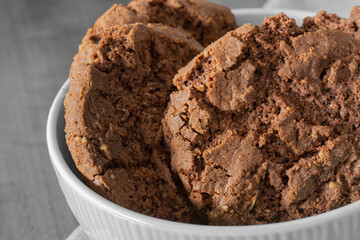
120,83
264,125
202,20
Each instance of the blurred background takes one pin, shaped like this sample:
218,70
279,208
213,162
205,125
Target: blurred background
38,40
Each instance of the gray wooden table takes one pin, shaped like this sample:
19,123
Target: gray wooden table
37,42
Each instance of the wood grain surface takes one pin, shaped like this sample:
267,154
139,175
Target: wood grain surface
37,42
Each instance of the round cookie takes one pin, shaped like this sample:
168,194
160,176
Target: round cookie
120,83
202,20
264,126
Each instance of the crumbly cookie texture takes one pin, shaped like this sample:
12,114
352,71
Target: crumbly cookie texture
120,82
332,21
203,21
264,126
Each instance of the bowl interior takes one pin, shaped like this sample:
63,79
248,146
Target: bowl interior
60,135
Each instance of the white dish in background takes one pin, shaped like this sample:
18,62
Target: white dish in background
104,220
257,15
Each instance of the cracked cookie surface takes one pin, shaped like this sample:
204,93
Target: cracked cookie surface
264,125
120,82
202,20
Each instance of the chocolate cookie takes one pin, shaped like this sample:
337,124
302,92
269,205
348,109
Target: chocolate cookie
264,126
332,21
120,83
202,20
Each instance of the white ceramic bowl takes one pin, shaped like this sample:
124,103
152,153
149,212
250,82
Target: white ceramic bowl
104,220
